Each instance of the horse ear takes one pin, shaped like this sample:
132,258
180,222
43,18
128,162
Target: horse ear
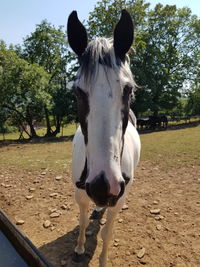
77,35
123,35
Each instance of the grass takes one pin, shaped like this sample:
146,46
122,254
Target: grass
46,155
166,148
66,131
172,148
55,156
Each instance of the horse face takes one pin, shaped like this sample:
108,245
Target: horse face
103,115
103,87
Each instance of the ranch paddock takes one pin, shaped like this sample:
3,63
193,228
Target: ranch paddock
159,227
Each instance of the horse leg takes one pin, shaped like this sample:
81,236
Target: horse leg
83,202
97,213
107,231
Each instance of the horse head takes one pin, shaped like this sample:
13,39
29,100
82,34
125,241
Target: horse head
103,87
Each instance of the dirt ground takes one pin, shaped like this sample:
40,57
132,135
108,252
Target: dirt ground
169,238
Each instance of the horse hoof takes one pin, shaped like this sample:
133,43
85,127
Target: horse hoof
77,257
97,215
94,215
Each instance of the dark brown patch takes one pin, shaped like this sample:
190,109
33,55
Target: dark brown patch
81,183
83,111
126,97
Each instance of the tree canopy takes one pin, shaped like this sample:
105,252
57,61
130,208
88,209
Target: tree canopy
23,88
34,77
165,49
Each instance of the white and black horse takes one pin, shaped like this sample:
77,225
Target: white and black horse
106,146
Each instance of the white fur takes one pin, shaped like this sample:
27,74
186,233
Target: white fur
103,151
130,159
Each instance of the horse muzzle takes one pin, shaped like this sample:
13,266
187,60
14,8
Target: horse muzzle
99,191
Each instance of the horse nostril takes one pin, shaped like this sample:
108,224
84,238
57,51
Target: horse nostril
112,200
122,185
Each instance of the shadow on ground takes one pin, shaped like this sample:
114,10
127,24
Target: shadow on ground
38,140
43,140
171,127
60,252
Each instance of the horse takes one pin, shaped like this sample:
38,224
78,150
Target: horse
141,123
106,145
158,121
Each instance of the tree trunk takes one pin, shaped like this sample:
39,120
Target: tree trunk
155,113
58,125
48,125
30,123
32,130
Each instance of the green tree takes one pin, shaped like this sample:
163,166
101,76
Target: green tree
164,57
193,104
106,13
166,45
22,88
47,47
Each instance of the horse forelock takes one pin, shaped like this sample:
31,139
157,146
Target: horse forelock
100,51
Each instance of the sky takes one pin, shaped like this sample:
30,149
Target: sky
18,18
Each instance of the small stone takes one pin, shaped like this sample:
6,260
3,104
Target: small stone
158,217
31,189
53,228
128,253
125,207
141,253
54,215
155,211
158,227
43,173
2,184
46,224
58,178
116,244
120,220
155,202
7,185
29,197
102,221
42,187
64,207
53,195
20,222
53,210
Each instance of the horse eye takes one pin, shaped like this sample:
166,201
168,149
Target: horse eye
128,90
